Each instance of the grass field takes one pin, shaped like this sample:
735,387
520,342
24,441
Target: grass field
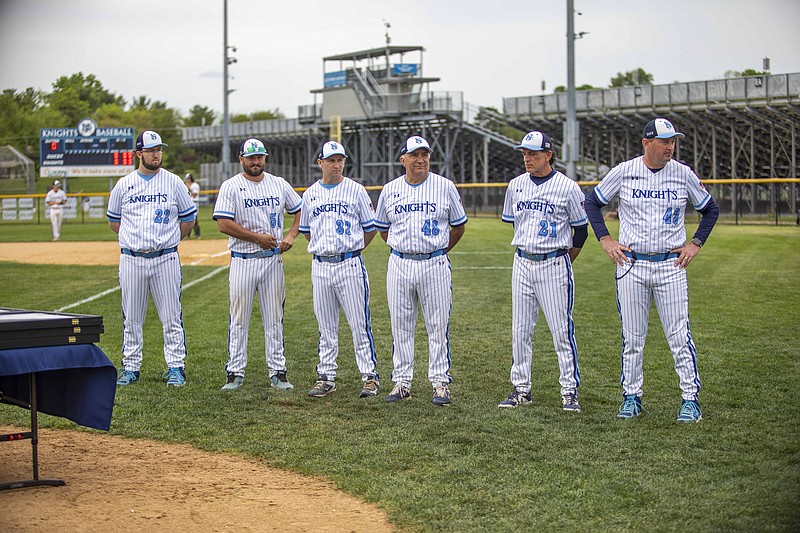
473,467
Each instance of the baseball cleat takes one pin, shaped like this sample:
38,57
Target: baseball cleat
441,395
690,411
176,377
127,377
569,402
630,407
399,392
280,381
517,397
371,387
233,382
322,388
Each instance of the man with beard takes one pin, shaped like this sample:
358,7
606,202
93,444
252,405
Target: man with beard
151,212
250,209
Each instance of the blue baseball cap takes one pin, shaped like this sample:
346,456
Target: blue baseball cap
413,144
661,128
331,148
148,139
252,147
536,141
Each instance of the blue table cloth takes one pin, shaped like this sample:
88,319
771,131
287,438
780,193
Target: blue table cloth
77,382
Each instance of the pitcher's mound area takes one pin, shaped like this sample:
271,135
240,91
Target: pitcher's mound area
119,484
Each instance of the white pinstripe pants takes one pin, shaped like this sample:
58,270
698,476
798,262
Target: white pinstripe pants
547,284
411,284
668,286
246,277
161,276
343,285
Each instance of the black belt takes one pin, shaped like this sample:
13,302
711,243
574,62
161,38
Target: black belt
652,257
149,255
337,258
420,257
253,255
541,257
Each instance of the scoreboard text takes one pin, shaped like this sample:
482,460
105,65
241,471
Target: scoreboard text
66,153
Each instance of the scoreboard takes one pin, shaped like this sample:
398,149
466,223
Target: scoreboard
86,151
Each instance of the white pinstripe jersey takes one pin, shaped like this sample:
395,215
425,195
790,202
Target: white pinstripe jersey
543,214
256,206
419,215
652,205
58,197
336,217
149,210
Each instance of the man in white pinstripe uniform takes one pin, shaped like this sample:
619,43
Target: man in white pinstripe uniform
550,227
337,219
421,218
249,209
151,212
651,257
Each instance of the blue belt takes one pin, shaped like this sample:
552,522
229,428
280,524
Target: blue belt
420,257
253,255
149,255
541,257
337,258
652,257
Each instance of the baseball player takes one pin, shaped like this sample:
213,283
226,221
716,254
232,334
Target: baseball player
151,212
550,227
337,219
651,257
55,199
421,218
250,209
194,192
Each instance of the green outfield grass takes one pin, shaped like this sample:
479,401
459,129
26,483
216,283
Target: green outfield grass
473,467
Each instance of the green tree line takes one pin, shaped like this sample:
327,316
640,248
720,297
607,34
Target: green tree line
24,112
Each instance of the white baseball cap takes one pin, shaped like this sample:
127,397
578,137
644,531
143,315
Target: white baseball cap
331,148
536,141
661,128
252,147
149,139
413,144
57,183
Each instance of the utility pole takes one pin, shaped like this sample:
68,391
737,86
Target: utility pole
571,125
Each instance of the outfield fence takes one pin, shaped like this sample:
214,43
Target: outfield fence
741,201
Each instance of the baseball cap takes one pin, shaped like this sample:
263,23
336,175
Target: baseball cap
57,183
331,148
660,128
413,144
149,139
536,141
252,147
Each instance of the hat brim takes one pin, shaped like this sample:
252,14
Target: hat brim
668,136
153,146
531,148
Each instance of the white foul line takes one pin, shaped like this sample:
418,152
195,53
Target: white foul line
109,291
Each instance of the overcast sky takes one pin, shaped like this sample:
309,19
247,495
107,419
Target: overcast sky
171,50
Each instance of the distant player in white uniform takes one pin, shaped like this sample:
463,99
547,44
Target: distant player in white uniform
194,192
550,227
55,200
337,219
151,212
651,257
421,218
249,209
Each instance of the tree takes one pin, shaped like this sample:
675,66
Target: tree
745,72
271,114
200,116
584,87
79,96
632,78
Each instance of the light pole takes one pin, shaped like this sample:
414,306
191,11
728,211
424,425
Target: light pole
571,125
226,119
